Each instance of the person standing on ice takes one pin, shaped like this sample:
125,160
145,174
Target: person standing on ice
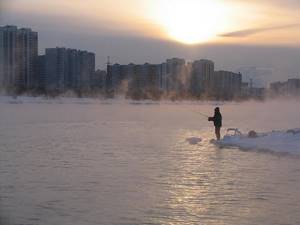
217,119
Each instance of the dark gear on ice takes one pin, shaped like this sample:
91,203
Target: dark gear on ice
217,119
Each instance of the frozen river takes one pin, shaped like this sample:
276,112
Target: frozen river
90,162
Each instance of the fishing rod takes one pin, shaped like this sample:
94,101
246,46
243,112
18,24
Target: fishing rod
206,116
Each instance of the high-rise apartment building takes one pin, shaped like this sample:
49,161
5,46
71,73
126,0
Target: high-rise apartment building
98,80
18,57
176,73
68,69
202,77
132,77
226,85
291,87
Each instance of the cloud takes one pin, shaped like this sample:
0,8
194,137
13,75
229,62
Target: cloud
253,31
291,4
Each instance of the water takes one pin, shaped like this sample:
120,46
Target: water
98,162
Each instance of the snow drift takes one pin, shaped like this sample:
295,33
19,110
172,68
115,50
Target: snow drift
286,141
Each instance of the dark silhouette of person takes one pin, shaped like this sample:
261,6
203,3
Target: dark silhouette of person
217,119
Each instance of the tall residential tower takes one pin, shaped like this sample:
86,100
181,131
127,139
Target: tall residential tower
68,69
18,57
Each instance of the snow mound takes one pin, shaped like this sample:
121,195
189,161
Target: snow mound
276,141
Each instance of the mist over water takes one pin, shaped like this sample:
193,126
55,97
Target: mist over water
89,161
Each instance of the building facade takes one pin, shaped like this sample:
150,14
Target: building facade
260,77
98,80
41,72
68,69
119,76
291,87
174,79
18,58
138,79
175,75
226,85
202,77
148,80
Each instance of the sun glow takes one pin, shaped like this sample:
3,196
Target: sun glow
193,21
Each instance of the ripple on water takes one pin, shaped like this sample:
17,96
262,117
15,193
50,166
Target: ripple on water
148,164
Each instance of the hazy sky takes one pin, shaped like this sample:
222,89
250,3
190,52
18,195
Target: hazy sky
233,33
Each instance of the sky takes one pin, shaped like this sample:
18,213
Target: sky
233,33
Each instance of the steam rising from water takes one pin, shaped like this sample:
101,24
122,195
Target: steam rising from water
257,115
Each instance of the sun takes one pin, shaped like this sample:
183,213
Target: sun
192,21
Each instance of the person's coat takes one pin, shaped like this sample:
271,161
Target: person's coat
217,119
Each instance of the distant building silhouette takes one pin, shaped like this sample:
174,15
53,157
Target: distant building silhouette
135,79
226,85
98,80
68,69
176,73
260,76
291,87
41,72
18,58
116,76
174,78
63,69
202,77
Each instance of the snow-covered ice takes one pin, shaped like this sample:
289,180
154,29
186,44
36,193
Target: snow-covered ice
286,141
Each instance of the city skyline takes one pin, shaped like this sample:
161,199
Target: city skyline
62,69
137,32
